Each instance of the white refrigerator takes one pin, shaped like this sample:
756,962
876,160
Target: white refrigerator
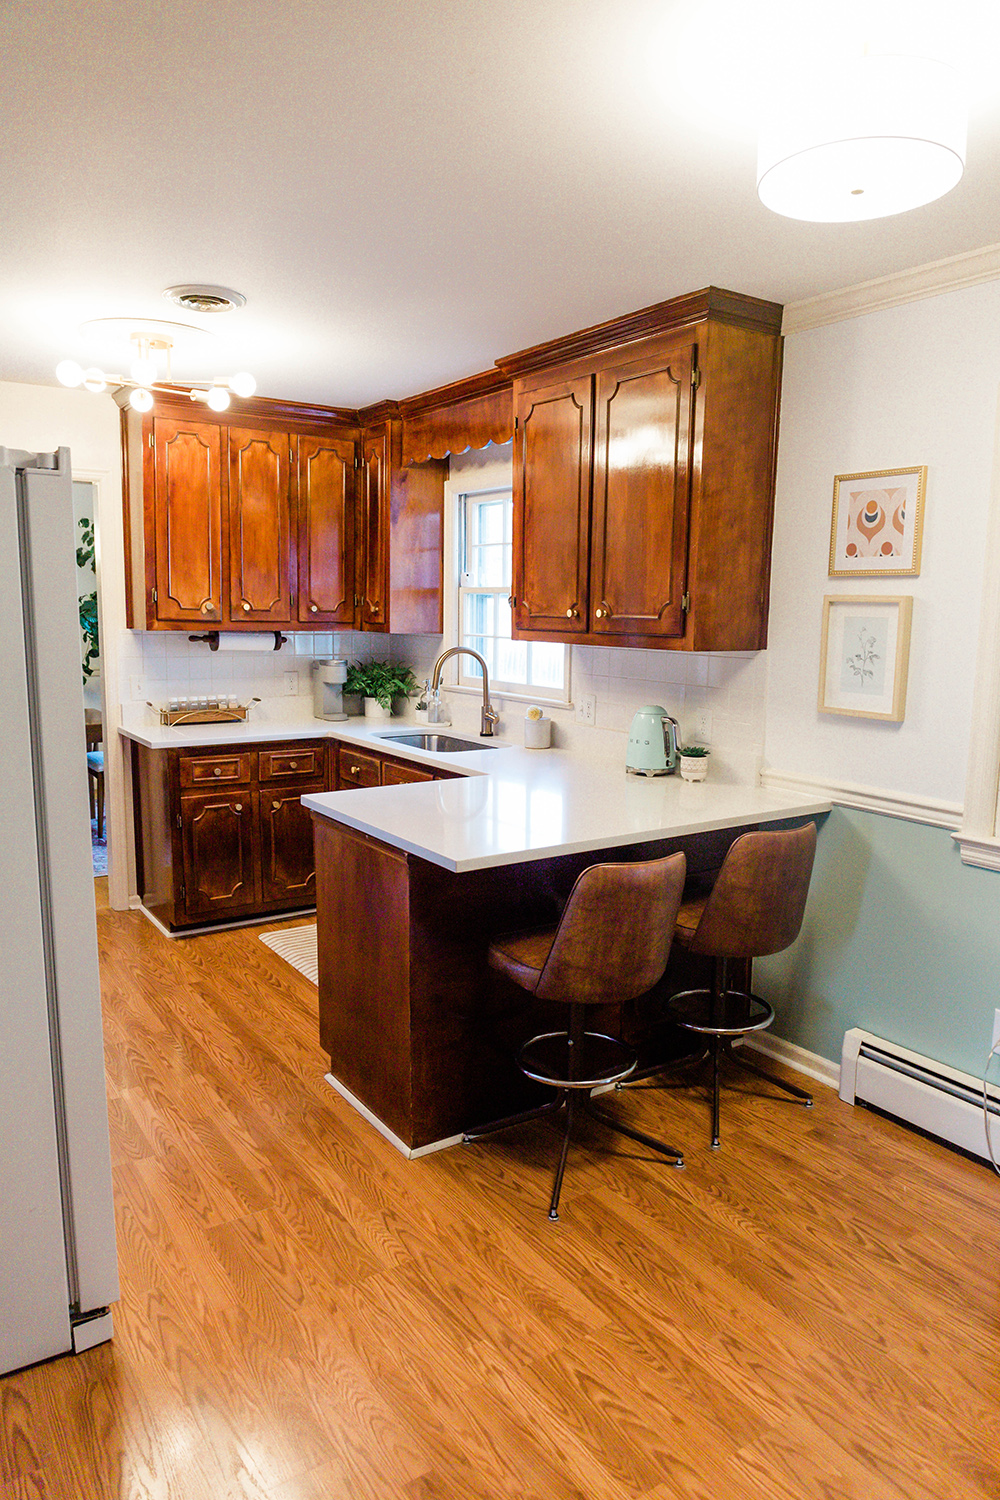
58,1267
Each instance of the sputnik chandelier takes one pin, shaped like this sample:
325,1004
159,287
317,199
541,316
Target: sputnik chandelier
151,344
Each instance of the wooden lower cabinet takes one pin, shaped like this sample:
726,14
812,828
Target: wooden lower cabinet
358,768
221,832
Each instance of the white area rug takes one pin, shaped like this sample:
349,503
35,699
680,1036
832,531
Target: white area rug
298,948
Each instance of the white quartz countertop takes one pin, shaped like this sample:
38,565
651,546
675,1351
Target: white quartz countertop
514,805
252,731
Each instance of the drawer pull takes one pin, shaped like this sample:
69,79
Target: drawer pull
293,764
238,806
217,771
355,770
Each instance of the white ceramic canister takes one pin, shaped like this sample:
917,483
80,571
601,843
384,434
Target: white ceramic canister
537,730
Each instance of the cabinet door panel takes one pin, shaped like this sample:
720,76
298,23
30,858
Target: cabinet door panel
260,542
187,520
288,865
641,494
218,849
326,486
374,550
551,507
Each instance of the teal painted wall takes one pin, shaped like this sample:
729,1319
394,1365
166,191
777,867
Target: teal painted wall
899,937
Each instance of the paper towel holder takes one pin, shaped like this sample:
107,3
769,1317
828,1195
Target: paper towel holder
212,637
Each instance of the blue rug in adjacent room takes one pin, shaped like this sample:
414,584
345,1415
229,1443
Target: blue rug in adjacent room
99,848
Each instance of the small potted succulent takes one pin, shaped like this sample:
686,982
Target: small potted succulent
694,762
378,683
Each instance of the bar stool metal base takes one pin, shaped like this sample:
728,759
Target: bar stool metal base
574,1062
721,1016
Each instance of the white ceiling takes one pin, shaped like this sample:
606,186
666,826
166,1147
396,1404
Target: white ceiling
406,191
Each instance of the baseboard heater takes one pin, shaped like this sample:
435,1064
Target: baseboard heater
919,1091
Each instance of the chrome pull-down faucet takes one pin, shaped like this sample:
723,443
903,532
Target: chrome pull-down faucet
489,715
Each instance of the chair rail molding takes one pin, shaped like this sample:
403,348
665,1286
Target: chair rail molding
979,833
890,804
930,280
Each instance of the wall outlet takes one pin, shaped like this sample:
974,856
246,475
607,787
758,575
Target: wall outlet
586,709
703,727
137,689
291,684
996,1029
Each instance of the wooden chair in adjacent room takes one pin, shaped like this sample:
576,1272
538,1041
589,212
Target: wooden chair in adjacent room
754,908
612,944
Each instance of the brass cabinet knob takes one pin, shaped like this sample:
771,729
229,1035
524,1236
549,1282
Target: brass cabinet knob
313,608
217,771
572,613
238,806
276,806
245,604
293,764
355,770
603,612
207,607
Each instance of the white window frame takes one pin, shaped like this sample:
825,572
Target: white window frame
474,476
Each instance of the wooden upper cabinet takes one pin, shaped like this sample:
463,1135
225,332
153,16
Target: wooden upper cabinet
640,495
326,510
649,522
261,556
373,551
184,551
552,501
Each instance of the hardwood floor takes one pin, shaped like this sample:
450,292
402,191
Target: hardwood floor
808,1314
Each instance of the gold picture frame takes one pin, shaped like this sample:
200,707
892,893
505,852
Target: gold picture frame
864,655
877,526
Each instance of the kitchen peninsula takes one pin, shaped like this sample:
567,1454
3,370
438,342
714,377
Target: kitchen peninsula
414,881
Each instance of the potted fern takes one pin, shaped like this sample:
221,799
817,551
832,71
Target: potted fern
694,762
378,683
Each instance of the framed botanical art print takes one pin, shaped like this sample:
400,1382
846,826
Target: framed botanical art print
864,656
878,521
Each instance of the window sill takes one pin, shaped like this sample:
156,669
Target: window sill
505,696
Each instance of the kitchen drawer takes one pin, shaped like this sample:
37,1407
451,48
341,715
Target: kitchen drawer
398,773
356,769
293,764
215,770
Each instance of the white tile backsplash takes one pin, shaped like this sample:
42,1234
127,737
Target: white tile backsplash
730,687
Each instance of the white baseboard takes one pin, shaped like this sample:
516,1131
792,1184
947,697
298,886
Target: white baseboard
821,1069
188,932
410,1152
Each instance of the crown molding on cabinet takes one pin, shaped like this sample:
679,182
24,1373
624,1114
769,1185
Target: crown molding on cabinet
869,799
931,280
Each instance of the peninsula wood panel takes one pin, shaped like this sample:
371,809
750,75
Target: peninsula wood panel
261,551
552,505
641,495
184,550
327,502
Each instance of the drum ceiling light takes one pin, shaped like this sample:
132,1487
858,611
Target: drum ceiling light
887,135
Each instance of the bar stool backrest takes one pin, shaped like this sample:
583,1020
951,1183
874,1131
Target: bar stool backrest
614,938
759,897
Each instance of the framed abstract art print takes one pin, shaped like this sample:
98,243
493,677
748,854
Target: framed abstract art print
878,521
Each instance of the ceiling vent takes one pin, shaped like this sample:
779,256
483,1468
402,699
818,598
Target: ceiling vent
205,299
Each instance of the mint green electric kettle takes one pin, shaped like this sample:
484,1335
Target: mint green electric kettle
652,742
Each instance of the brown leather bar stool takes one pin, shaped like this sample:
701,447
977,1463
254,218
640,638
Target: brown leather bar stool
754,908
611,944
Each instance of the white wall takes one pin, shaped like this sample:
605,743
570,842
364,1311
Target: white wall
915,384
41,418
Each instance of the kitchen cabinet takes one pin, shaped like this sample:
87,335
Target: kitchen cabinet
241,521
400,555
355,768
644,478
221,833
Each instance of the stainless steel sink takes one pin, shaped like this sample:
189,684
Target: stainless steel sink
443,743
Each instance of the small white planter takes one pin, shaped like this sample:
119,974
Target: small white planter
694,767
374,710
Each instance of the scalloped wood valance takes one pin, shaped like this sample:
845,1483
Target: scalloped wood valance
468,414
